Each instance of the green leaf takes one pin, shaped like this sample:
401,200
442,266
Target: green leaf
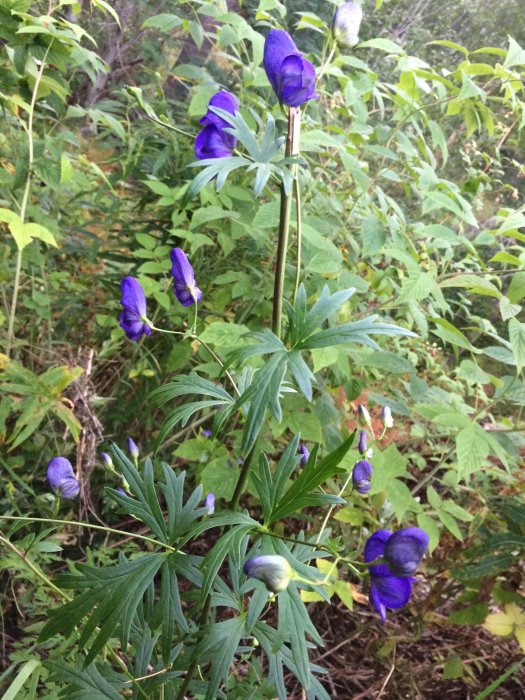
516,290
473,615
301,493
228,543
472,450
385,45
517,341
218,647
165,22
489,566
224,335
450,334
373,235
109,599
220,477
89,679
25,671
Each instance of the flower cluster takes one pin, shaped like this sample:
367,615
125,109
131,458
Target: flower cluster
133,319
62,478
214,141
391,580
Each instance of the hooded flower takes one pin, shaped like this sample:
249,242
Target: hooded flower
361,475
184,284
291,76
305,455
106,459
62,478
388,590
213,141
405,550
346,23
133,318
272,569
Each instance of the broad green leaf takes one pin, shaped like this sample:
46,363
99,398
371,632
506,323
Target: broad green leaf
472,450
224,335
516,290
517,341
165,22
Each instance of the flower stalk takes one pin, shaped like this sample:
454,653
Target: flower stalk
292,149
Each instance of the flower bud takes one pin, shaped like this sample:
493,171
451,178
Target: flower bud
362,444
405,549
361,476
386,417
106,460
346,23
272,569
364,416
209,503
133,449
305,455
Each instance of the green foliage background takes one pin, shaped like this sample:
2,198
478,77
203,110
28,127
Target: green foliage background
412,193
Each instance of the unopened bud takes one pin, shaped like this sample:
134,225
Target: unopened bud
106,459
364,416
346,23
272,569
386,417
209,503
305,455
133,449
362,444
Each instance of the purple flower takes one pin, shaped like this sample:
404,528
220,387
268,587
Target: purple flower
206,433
184,284
133,318
209,503
405,550
361,475
388,590
133,449
62,478
121,491
272,569
291,76
362,445
305,455
346,23
213,141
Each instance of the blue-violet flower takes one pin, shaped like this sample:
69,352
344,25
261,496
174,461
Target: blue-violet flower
133,319
184,284
213,141
291,76
62,478
305,455
361,476
388,590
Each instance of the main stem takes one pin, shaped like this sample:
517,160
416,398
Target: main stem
25,199
292,149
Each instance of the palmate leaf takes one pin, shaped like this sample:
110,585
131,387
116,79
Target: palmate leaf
88,683
302,492
145,505
356,332
218,647
303,322
110,599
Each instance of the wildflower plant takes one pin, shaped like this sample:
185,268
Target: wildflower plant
185,616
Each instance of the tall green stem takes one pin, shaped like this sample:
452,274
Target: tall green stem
25,199
299,237
292,149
